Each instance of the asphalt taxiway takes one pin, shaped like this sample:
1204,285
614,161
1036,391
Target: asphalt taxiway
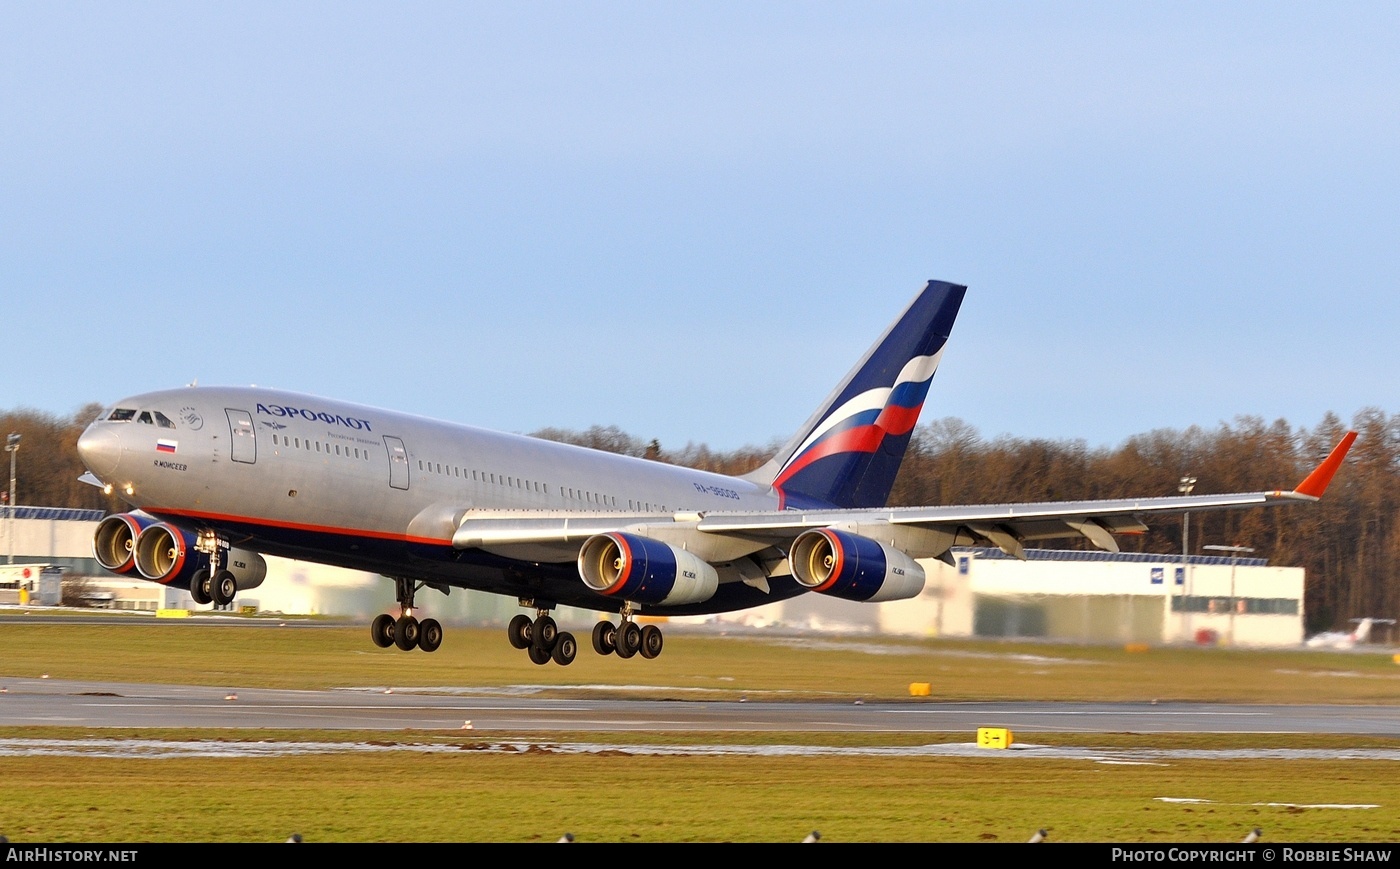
27,702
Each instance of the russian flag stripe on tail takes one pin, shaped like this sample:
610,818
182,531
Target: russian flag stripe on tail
849,451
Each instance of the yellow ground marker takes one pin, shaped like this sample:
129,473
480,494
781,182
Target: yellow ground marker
993,737
172,614
920,689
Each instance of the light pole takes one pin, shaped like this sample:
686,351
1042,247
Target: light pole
1234,557
12,447
1185,487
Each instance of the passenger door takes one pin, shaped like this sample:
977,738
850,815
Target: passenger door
243,438
398,463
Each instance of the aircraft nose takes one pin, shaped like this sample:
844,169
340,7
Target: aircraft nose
101,450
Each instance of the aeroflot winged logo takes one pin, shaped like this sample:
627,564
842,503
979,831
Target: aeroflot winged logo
284,410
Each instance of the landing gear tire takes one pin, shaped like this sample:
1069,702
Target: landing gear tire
651,641
381,630
538,656
629,639
546,633
519,631
565,648
199,587
605,638
406,632
223,588
429,635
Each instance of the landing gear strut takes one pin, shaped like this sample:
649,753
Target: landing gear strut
541,638
215,584
627,639
406,632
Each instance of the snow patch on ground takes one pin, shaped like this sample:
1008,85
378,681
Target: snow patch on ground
157,748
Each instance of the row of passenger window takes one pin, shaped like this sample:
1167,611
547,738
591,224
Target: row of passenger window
582,495
308,444
483,477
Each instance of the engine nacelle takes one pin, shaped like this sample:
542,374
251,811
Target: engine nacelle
167,555
114,544
247,566
852,567
638,569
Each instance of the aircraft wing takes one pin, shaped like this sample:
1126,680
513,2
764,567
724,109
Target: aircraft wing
1007,526
920,532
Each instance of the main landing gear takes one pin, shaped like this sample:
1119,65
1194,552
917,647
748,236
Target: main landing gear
541,638
406,632
627,639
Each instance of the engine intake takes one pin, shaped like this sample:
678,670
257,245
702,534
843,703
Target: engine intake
114,544
638,569
852,567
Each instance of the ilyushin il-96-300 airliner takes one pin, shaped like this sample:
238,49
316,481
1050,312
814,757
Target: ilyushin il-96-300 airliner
220,476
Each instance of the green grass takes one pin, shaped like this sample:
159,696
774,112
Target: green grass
700,665
537,795
533,796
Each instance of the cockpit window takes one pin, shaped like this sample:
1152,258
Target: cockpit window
145,417
162,420
121,414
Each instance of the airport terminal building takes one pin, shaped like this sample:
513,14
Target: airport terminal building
1091,597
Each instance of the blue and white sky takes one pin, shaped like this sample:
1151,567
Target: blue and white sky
689,220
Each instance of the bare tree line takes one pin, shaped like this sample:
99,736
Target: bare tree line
1349,543
47,466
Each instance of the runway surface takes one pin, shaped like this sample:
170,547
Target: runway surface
52,702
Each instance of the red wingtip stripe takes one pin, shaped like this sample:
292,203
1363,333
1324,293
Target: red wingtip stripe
1316,482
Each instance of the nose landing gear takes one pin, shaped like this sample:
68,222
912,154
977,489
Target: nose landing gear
200,587
214,584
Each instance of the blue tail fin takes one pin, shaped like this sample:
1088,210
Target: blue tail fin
849,451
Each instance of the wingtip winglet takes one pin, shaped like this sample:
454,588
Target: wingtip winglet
1316,482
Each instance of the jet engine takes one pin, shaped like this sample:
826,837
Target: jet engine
852,567
641,570
114,544
167,555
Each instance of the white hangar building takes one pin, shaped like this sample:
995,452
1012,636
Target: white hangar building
1092,597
